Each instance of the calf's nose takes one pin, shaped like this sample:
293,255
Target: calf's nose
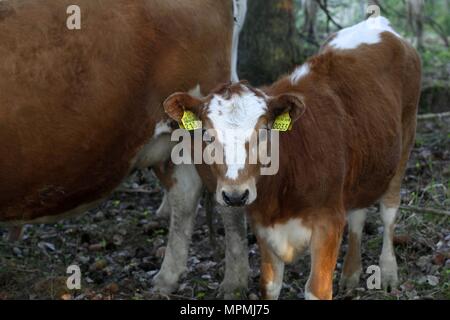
235,199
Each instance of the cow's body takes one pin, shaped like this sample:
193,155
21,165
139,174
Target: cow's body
356,106
78,106
81,109
348,151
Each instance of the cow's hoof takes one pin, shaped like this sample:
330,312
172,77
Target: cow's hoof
232,291
389,281
164,285
349,282
389,274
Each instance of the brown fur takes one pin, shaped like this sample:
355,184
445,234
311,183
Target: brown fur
352,262
347,151
77,106
357,130
350,147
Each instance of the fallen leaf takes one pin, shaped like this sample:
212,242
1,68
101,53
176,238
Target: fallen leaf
439,259
432,280
401,240
96,247
112,288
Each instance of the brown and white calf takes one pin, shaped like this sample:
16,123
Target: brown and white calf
81,109
353,110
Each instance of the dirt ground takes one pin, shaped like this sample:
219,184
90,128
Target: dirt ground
119,246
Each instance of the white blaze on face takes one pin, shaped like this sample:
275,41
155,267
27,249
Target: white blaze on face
366,32
235,120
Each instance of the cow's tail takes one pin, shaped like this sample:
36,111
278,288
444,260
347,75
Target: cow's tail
239,13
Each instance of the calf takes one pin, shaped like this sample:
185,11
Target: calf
81,109
352,112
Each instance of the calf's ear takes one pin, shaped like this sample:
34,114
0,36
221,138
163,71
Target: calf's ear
287,103
178,103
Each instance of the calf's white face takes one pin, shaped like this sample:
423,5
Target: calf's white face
233,117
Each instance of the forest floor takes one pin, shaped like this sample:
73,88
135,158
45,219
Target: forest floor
119,246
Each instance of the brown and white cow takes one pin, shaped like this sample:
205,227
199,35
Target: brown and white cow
81,109
353,114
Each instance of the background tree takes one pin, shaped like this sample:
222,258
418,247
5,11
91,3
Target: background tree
280,34
310,8
415,12
270,45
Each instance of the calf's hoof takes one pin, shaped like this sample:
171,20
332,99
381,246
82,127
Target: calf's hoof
389,274
349,282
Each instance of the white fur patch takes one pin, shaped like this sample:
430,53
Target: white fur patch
356,221
286,240
299,73
366,32
273,289
388,262
162,127
196,92
310,296
388,216
235,120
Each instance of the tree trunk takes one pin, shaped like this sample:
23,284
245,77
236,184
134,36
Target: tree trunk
310,8
270,43
415,20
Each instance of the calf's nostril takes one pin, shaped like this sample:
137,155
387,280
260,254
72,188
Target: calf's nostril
235,198
244,197
226,198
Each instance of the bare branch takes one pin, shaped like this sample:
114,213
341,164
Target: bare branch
430,116
330,18
425,210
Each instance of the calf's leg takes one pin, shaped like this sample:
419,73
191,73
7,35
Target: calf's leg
325,242
389,208
388,262
272,270
352,269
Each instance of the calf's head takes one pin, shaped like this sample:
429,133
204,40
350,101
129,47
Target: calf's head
238,123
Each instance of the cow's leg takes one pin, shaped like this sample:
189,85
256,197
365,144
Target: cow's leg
163,172
351,271
272,270
183,197
236,252
325,242
15,233
388,262
164,209
389,207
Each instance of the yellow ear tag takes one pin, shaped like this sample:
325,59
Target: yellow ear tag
282,122
190,121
